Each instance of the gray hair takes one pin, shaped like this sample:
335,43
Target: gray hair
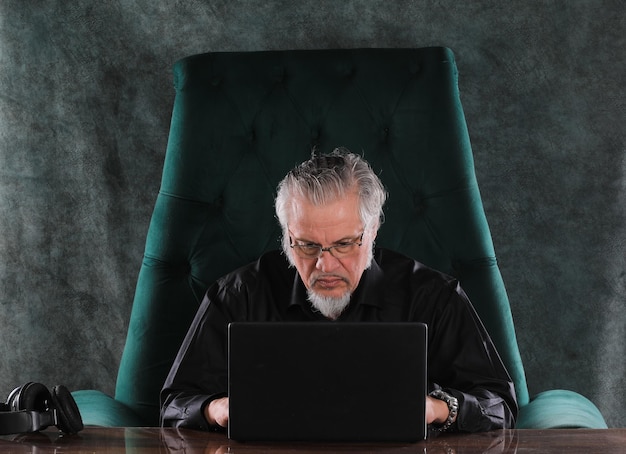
325,178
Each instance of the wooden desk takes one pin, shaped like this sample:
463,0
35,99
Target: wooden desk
145,440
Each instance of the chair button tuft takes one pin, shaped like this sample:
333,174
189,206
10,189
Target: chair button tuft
418,204
278,75
218,203
414,68
346,70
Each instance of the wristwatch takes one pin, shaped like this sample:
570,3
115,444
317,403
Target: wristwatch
453,407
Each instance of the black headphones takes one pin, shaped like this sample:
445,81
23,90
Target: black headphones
32,407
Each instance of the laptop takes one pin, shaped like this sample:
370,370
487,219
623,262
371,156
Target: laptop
327,381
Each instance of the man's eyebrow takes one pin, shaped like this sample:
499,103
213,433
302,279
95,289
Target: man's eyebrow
300,240
342,240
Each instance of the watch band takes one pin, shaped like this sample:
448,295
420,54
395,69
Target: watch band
453,407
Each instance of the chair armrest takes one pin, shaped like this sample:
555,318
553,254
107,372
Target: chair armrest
557,409
100,409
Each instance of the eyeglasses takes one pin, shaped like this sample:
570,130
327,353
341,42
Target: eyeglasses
339,251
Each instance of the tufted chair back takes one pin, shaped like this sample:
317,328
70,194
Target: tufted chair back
241,120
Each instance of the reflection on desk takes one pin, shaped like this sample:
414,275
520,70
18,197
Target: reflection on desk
180,442
113,440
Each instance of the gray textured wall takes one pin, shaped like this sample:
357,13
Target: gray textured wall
85,99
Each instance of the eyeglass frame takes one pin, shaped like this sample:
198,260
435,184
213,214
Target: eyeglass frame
357,241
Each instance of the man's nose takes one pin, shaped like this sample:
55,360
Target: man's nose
326,262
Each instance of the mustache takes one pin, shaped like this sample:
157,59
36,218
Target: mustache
316,277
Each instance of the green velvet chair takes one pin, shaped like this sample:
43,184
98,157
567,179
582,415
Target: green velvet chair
240,121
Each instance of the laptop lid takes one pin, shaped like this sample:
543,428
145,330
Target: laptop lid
327,381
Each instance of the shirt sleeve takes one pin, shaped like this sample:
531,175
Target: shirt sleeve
464,362
199,372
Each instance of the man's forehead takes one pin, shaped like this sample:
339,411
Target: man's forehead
338,218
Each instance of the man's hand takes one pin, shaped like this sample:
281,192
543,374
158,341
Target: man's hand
216,413
436,411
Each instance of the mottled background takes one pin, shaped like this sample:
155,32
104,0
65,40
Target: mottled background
85,102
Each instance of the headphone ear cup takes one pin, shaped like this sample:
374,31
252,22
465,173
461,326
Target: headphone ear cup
69,418
12,399
31,396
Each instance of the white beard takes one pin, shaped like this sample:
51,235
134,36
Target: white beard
329,307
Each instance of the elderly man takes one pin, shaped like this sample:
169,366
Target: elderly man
330,209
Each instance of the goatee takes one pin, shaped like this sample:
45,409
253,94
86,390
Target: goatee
330,307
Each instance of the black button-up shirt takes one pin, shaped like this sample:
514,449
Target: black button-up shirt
461,356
